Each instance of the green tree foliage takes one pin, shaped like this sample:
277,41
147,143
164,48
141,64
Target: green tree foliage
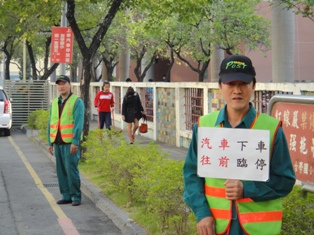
192,28
302,7
9,37
184,30
27,21
112,45
143,44
88,50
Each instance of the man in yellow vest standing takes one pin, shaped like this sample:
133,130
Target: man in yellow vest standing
231,205
64,134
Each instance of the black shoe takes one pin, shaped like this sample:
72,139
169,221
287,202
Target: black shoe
60,202
76,203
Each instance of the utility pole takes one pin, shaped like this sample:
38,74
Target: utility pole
63,24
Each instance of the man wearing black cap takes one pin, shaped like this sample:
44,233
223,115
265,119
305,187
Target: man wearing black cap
64,132
232,206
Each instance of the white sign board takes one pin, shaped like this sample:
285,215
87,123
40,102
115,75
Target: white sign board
233,153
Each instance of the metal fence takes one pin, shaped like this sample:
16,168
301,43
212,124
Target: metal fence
173,108
27,96
194,101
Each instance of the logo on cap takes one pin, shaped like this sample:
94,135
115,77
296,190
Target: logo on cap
236,65
63,78
236,68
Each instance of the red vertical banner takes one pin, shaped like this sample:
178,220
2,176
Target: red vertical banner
61,45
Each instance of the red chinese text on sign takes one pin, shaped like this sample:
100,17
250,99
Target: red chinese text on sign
298,125
233,153
61,45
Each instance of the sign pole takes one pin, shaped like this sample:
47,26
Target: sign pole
63,24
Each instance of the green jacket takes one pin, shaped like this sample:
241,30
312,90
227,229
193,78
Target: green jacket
255,217
280,183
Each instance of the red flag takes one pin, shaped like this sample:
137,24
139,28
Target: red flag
61,45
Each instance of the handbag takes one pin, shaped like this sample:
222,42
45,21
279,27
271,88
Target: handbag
144,127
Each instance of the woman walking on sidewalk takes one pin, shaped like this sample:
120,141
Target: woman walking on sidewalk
132,112
104,103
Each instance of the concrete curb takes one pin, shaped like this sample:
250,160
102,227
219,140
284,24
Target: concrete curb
118,216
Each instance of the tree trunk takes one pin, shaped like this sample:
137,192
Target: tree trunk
8,57
109,72
73,68
84,88
47,50
7,66
53,67
32,60
104,74
137,69
197,69
89,52
201,72
171,63
50,71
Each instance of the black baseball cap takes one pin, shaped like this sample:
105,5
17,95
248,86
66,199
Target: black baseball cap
237,68
63,78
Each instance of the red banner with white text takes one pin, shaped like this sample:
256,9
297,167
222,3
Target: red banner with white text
61,45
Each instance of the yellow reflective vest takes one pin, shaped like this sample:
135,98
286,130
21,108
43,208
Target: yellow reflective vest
66,122
262,218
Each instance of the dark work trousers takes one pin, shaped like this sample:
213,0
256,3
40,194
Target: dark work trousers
68,172
104,117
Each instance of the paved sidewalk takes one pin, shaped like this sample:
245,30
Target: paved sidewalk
119,218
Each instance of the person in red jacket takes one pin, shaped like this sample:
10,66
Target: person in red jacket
104,103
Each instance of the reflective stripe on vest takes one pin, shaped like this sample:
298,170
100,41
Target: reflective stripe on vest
263,218
66,123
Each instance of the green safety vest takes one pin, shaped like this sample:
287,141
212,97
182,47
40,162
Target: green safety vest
66,123
262,218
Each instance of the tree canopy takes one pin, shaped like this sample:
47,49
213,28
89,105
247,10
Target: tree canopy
302,7
182,30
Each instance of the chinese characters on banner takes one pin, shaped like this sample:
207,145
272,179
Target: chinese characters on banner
61,45
298,125
230,153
